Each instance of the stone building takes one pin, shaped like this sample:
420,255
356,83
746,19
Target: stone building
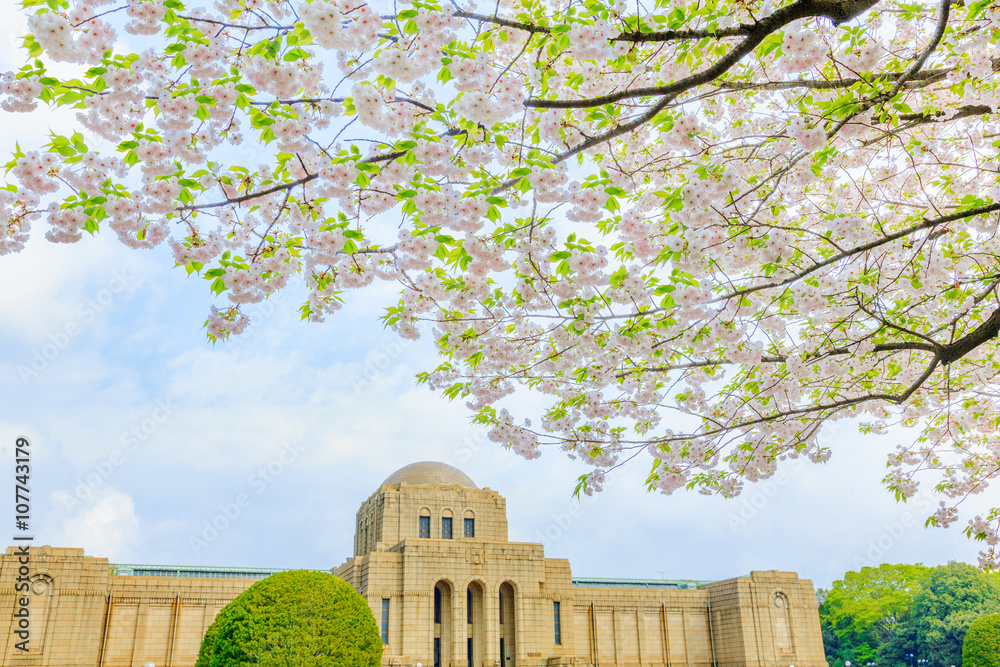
446,587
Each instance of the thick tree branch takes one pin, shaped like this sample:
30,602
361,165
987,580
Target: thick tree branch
836,11
496,20
925,77
865,247
782,358
985,332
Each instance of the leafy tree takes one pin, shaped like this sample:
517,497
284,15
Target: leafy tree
865,609
981,647
301,618
751,217
951,597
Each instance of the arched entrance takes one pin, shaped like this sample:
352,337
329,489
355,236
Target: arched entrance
475,627
442,624
507,626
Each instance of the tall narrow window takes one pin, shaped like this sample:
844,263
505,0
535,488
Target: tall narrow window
425,526
501,611
555,612
385,620
437,604
470,527
468,606
468,649
446,528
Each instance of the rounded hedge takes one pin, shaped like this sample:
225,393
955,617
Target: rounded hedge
301,618
981,647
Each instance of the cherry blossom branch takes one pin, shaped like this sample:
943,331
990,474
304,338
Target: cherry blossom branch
871,245
496,20
678,35
925,77
236,26
837,11
252,195
783,358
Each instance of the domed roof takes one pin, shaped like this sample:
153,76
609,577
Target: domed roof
430,472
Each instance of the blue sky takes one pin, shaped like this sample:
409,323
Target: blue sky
143,434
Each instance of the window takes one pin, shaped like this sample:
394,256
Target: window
470,527
385,620
501,611
555,612
437,604
446,528
468,605
425,526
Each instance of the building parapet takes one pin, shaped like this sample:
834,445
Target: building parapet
600,582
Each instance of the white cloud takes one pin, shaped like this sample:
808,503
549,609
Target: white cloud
107,528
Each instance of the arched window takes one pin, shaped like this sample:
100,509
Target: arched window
446,528
424,528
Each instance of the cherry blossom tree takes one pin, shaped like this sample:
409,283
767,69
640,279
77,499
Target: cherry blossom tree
697,231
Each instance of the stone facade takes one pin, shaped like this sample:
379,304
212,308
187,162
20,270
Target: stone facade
446,587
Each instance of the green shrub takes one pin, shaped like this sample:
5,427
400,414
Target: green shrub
301,618
982,643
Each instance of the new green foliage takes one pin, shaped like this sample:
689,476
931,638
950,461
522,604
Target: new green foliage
300,618
982,642
894,614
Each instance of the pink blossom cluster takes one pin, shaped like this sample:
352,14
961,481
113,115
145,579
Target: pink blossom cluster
34,172
438,207
332,28
487,109
807,138
202,251
222,324
279,78
801,50
593,41
472,73
549,185
62,42
243,285
145,16
413,251
111,116
21,93
550,126
66,225
683,136
588,203
16,215
865,58
369,105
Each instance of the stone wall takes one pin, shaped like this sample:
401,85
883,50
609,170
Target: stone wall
82,615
